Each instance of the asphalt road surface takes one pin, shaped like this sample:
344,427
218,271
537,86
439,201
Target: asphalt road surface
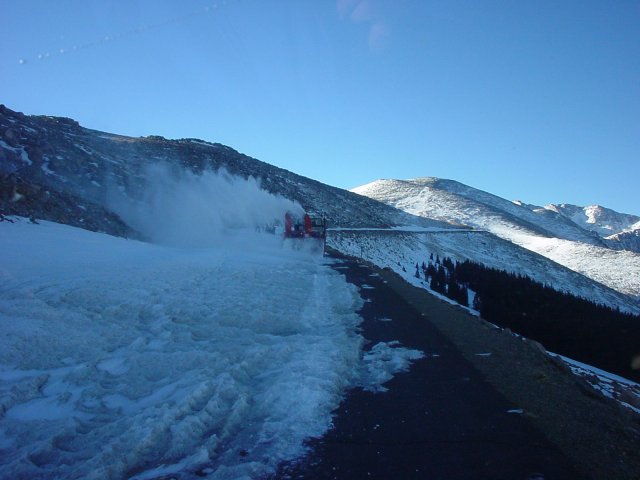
439,420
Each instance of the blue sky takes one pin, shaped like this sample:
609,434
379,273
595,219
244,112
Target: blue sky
531,100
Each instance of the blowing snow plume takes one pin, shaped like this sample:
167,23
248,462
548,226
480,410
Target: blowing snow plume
177,207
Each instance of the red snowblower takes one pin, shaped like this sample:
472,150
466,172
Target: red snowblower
306,228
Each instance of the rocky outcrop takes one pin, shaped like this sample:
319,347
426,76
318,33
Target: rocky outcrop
26,199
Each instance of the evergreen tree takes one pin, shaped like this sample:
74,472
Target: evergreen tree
476,302
448,264
439,280
452,289
431,270
463,296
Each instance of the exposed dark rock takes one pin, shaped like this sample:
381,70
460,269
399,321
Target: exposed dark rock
25,199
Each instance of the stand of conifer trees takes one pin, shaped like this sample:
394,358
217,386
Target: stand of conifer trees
585,331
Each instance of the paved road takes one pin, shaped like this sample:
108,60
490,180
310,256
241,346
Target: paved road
440,420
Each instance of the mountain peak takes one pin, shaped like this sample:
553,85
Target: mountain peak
596,218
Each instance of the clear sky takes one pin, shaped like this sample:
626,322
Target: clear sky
535,100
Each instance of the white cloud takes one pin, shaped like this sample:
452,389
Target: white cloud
345,7
364,12
378,35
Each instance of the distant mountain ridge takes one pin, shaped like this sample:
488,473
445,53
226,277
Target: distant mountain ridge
572,236
610,225
593,224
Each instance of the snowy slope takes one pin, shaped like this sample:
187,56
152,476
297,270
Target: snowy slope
401,250
541,230
123,359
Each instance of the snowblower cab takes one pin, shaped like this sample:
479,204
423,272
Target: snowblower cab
305,227
293,226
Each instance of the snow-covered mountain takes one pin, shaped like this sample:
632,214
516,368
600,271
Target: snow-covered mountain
620,231
604,221
554,232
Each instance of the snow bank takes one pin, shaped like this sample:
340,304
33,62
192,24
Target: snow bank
624,391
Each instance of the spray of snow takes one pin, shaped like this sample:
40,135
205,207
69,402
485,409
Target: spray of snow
179,208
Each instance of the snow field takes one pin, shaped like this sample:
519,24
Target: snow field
121,359
613,268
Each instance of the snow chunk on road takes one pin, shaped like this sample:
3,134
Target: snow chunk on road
383,361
